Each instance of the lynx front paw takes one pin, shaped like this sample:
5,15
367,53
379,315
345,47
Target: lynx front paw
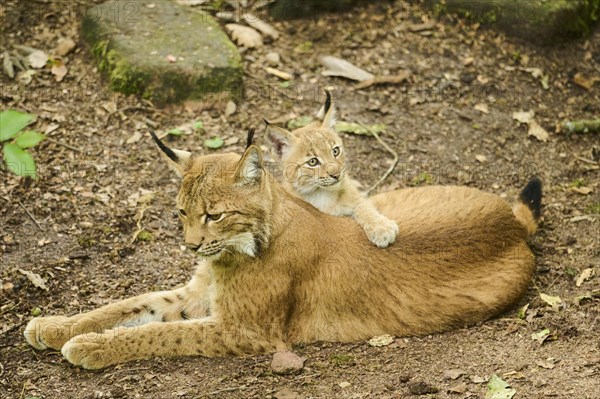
91,351
382,233
48,332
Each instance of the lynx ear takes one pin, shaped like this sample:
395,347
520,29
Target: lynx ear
327,111
176,159
250,167
280,139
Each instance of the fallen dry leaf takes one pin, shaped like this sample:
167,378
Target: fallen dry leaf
523,117
585,276
453,374
245,36
35,279
381,340
497,388
59,70
482,108
261,25
230,108
8,65
135,137
538,132
481,158
460,388
553,301
546,364
584,81
338,67
64,47
582,190
429,25
25,77
37,59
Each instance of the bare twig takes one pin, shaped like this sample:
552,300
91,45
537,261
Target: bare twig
70,147
138,223
380,80
582,159
10,308
390,150
31,216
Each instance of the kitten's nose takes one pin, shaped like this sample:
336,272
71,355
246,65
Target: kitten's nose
335,175
193,247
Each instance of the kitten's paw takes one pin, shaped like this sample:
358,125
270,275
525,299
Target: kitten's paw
91,351
383,233
48,332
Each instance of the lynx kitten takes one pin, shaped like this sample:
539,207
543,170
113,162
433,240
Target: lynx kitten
313,162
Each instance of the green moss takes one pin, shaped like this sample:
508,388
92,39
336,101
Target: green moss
145,235
594,208
133,55
341,359
578,183
547,21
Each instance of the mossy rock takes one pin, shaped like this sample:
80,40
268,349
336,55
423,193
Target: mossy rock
162,51
539,21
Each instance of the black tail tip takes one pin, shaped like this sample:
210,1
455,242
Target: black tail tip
531,196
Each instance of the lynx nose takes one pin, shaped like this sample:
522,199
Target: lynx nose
335,175
193,247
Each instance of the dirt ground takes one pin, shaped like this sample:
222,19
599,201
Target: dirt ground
94,170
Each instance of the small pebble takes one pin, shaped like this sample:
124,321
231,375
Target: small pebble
273,58
287,363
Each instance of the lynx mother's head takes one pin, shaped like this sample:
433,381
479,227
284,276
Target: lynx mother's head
224,202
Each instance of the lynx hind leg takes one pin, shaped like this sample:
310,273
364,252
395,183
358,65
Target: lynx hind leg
380,230
54,331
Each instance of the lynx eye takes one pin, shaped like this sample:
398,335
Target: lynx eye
336,151
182,213
313,162
216,217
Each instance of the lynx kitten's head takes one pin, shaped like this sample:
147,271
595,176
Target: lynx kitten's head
312,157
224,202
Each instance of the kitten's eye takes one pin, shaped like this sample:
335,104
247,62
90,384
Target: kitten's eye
182,213
336,151
313,162
217,217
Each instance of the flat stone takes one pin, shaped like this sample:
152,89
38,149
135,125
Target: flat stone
162,51
539,21
286,363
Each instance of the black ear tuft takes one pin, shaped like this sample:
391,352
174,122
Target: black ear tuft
168,152
531,196
327,101
250,137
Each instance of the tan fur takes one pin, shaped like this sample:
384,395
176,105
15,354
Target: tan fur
327,186
460,258
524,215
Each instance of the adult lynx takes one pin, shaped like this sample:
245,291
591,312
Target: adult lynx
278,272
313,160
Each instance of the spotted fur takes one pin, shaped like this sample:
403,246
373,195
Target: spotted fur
279,272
